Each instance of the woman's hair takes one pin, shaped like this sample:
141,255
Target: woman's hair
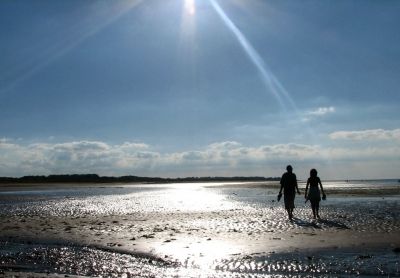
313,173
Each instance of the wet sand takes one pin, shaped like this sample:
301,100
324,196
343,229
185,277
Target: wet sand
194,230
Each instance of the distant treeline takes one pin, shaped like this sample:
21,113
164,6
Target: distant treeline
94,178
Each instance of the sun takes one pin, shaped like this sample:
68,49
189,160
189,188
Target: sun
190,7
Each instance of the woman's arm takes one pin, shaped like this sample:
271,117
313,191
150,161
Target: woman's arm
320,184
305,193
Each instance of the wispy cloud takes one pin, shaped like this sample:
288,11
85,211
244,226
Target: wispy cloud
321,111
318,112
370,134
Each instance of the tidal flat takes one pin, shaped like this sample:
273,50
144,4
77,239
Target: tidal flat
197,230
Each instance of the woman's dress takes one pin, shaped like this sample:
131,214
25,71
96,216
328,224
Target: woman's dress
313,194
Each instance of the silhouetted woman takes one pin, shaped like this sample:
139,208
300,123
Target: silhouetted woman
313,193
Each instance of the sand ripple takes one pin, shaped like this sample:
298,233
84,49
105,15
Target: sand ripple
88,261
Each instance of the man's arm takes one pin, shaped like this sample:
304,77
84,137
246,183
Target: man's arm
280,191
297,188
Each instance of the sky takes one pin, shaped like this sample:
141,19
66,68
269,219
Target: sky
179,88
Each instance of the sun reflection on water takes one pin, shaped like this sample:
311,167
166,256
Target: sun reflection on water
200,249
197,252
195,198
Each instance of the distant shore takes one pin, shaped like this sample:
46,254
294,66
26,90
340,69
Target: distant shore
94,178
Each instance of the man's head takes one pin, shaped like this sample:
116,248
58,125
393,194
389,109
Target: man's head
289,168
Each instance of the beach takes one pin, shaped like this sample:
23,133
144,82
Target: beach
197,230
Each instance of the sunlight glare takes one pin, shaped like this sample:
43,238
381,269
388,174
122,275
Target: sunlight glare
192,197
198,252
190,7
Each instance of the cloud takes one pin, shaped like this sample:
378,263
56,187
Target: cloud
321,111
371,134
221,158
225,145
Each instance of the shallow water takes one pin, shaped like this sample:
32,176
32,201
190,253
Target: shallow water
87,261
201,226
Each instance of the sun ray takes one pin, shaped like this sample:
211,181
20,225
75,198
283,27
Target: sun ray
95,22
270,81
268,78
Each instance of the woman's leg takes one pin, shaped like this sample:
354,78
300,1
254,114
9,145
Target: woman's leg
317,208
313,207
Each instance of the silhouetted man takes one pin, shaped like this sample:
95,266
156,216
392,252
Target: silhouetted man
289,186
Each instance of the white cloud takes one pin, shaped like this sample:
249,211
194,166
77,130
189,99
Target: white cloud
371,134
225,145
134,146
321,111
223,158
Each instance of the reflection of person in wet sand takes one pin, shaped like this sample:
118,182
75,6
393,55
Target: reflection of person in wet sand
289,186
313,194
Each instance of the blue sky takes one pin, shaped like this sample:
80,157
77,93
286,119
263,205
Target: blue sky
183,87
